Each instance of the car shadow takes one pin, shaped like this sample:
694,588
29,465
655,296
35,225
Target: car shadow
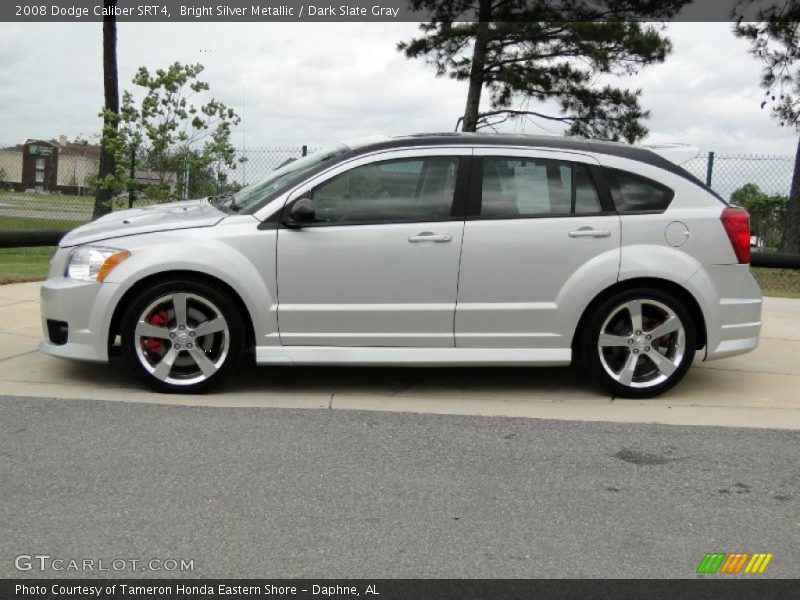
557,382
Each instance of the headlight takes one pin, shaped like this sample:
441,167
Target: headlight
93,263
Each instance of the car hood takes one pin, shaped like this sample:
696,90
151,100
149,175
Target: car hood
148,219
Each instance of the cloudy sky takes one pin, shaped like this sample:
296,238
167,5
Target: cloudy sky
317,83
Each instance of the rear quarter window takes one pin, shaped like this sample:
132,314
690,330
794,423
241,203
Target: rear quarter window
636,194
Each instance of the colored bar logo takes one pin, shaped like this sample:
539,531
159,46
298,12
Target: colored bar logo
734,563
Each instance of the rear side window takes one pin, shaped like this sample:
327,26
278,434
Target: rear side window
527,187
636,194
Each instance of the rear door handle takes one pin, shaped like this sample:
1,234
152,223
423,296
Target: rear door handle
589,232
429,236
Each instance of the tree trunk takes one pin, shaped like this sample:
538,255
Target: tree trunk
470,122
102,199
791,236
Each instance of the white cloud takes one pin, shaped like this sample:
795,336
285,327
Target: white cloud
316,83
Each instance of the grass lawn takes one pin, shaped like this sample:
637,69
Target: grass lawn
64,203
784,283
32,223
47,199
28,264
24,264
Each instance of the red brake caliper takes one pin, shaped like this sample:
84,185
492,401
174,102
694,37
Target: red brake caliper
159,319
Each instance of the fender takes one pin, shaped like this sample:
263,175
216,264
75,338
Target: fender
659,261
638,261
224,258
680,268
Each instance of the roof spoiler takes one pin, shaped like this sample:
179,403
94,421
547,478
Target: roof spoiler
674,153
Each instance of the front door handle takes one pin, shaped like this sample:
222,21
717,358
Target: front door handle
589,232
429,236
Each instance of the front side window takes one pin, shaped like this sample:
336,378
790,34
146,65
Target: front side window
402,190
633,193
291,173
531,187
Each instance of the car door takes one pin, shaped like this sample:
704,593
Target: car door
540,237
378,265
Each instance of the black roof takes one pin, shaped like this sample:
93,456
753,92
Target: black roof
533,141
619,149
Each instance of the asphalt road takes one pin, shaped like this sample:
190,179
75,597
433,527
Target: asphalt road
322,493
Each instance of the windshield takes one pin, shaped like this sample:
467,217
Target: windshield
284,176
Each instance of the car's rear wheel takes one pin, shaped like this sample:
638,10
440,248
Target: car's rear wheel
639,343
182,336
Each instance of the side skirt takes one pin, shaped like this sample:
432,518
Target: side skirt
421,357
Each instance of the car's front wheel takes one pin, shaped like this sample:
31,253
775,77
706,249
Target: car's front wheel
639,343
182,336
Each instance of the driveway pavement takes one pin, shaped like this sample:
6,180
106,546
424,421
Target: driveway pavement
760,389
266,493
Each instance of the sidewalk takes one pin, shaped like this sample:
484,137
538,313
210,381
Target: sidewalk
761,389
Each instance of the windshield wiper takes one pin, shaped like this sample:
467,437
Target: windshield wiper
220,200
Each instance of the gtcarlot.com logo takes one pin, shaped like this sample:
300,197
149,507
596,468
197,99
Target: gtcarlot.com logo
45,562
734,563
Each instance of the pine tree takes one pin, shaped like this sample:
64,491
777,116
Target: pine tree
537,51
775,41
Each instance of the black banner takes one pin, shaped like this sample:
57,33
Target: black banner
734,588
372,10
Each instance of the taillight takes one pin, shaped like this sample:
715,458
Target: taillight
737,225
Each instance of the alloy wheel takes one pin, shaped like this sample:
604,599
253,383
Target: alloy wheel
641,343
182,339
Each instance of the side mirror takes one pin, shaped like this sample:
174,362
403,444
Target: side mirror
301,213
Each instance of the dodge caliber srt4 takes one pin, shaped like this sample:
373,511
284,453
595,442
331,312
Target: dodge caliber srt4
425,250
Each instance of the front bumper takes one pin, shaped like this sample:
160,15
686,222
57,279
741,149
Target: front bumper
86,308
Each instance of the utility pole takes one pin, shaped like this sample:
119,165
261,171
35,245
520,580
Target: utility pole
185,190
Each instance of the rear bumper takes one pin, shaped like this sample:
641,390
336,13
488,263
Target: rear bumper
733,310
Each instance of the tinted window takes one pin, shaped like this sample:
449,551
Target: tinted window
418,189
634,193
524,187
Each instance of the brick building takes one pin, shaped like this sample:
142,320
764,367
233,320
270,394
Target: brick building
50,166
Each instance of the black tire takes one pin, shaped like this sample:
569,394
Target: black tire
203,300
648,378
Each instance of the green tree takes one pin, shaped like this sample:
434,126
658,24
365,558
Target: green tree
170,129
104,191
766,212
540,51
775,41
210,180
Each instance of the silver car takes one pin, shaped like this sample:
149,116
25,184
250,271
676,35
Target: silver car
425,250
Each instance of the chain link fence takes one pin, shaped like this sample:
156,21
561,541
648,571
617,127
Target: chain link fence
726,173
772,175
50,185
